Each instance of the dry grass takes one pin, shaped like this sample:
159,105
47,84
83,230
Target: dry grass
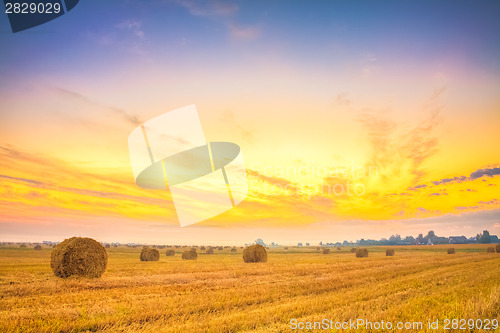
220,293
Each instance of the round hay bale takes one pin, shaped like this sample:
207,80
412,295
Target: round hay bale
286,248
326,251
353,250
210,250
202,248
149,254
170,253
389,252
498,248
361,253
318,248
189,255
255,253
79,256
490,250
451,250
233,250
22,246
220,248
339,248
38,247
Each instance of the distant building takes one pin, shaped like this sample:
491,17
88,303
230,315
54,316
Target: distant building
457,240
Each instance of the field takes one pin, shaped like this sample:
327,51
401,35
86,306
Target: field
220,293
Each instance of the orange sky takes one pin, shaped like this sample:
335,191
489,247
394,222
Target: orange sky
343,139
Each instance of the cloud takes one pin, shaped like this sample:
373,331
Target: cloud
420,143
343,99
243,33
229,118
79,98
485,172
449,180
490,172
132,25
491,202
270,180
29,181
211,8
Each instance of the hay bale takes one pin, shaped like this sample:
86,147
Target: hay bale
326,251
220,248
361,253
233,250
22,246
353,250
498,248
79,256
170,253
490,250
339,248
286,248
451,250
318,248
202,248
389,252
255,253
107,246
189,255
210,250
149,254
38,247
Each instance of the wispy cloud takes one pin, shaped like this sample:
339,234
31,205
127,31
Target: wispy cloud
243,33
229,118
133,26
211,8
79,98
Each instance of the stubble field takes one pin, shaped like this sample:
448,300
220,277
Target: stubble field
220,293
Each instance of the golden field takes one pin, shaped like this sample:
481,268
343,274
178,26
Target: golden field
220,293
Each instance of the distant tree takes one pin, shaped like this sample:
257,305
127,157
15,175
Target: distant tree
484,238
394,239
420,239
260,241
431,234
345,243
409,239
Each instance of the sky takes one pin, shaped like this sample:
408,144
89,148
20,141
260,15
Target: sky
355,119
